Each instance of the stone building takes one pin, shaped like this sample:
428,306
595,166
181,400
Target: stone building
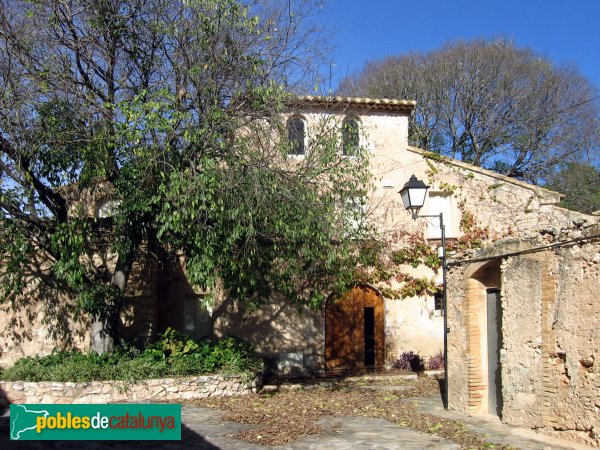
525,331
522,298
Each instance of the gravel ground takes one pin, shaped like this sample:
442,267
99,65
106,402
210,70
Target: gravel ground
288,414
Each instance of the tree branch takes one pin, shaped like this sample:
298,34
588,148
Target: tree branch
52,200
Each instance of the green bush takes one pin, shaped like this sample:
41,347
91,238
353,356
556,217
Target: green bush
174,354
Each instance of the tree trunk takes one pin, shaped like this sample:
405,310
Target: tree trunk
104,333
104,328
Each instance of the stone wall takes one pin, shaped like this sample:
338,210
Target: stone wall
41,320
168,389
291,339
573,353
550,375
521,352
45,317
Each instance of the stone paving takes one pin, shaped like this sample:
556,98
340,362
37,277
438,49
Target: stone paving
497,431
203,429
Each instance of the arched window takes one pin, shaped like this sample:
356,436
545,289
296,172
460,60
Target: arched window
296,135
350,137
108,208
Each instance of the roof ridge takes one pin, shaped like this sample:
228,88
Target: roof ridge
557,196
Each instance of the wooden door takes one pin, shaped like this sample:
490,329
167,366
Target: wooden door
354,330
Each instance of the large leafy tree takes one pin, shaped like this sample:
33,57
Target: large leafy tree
490,103
171,111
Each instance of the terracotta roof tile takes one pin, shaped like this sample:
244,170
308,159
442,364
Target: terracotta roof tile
352,103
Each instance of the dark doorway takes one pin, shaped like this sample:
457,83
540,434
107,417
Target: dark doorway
369,336
494,344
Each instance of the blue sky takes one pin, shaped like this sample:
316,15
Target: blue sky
563,31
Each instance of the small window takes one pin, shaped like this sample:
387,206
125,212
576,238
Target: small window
108,208
438,303
296,136
354,213
439,202
196,316
350,137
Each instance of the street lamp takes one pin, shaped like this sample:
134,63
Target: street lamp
413,196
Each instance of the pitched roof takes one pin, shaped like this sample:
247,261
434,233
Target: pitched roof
352,103
546,195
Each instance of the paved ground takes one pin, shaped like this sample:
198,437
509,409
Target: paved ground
203,429
499,432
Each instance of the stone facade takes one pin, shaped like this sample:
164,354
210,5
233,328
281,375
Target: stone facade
167,389
46,318
41,322
550,332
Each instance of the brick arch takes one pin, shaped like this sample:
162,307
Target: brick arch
347,342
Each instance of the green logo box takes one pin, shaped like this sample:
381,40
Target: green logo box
123,421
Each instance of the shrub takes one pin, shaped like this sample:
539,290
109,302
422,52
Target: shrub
436,362
409,361
174,354
173,344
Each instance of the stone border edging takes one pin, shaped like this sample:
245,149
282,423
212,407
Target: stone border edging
185,388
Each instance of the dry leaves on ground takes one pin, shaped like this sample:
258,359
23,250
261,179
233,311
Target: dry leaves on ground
287,415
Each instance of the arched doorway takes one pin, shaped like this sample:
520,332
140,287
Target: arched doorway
484,340
354,330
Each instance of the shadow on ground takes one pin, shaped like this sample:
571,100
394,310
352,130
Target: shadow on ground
189,439
441,386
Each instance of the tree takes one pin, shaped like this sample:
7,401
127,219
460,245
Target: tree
491,104
580,183
171,110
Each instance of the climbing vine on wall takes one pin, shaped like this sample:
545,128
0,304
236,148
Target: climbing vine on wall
417,252
382,267
385,263
473,234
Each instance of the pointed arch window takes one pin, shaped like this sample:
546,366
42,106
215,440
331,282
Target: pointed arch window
350,137
296,133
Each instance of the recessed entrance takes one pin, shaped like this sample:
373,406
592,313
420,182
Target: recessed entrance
484,339
354,330
494,344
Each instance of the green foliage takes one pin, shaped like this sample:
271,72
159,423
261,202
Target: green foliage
435,156
96,299
417,254
174,345
174,354
15,256
417,287
189,144
68,243
581,185
379,266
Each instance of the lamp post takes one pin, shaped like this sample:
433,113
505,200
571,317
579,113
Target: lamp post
413,196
